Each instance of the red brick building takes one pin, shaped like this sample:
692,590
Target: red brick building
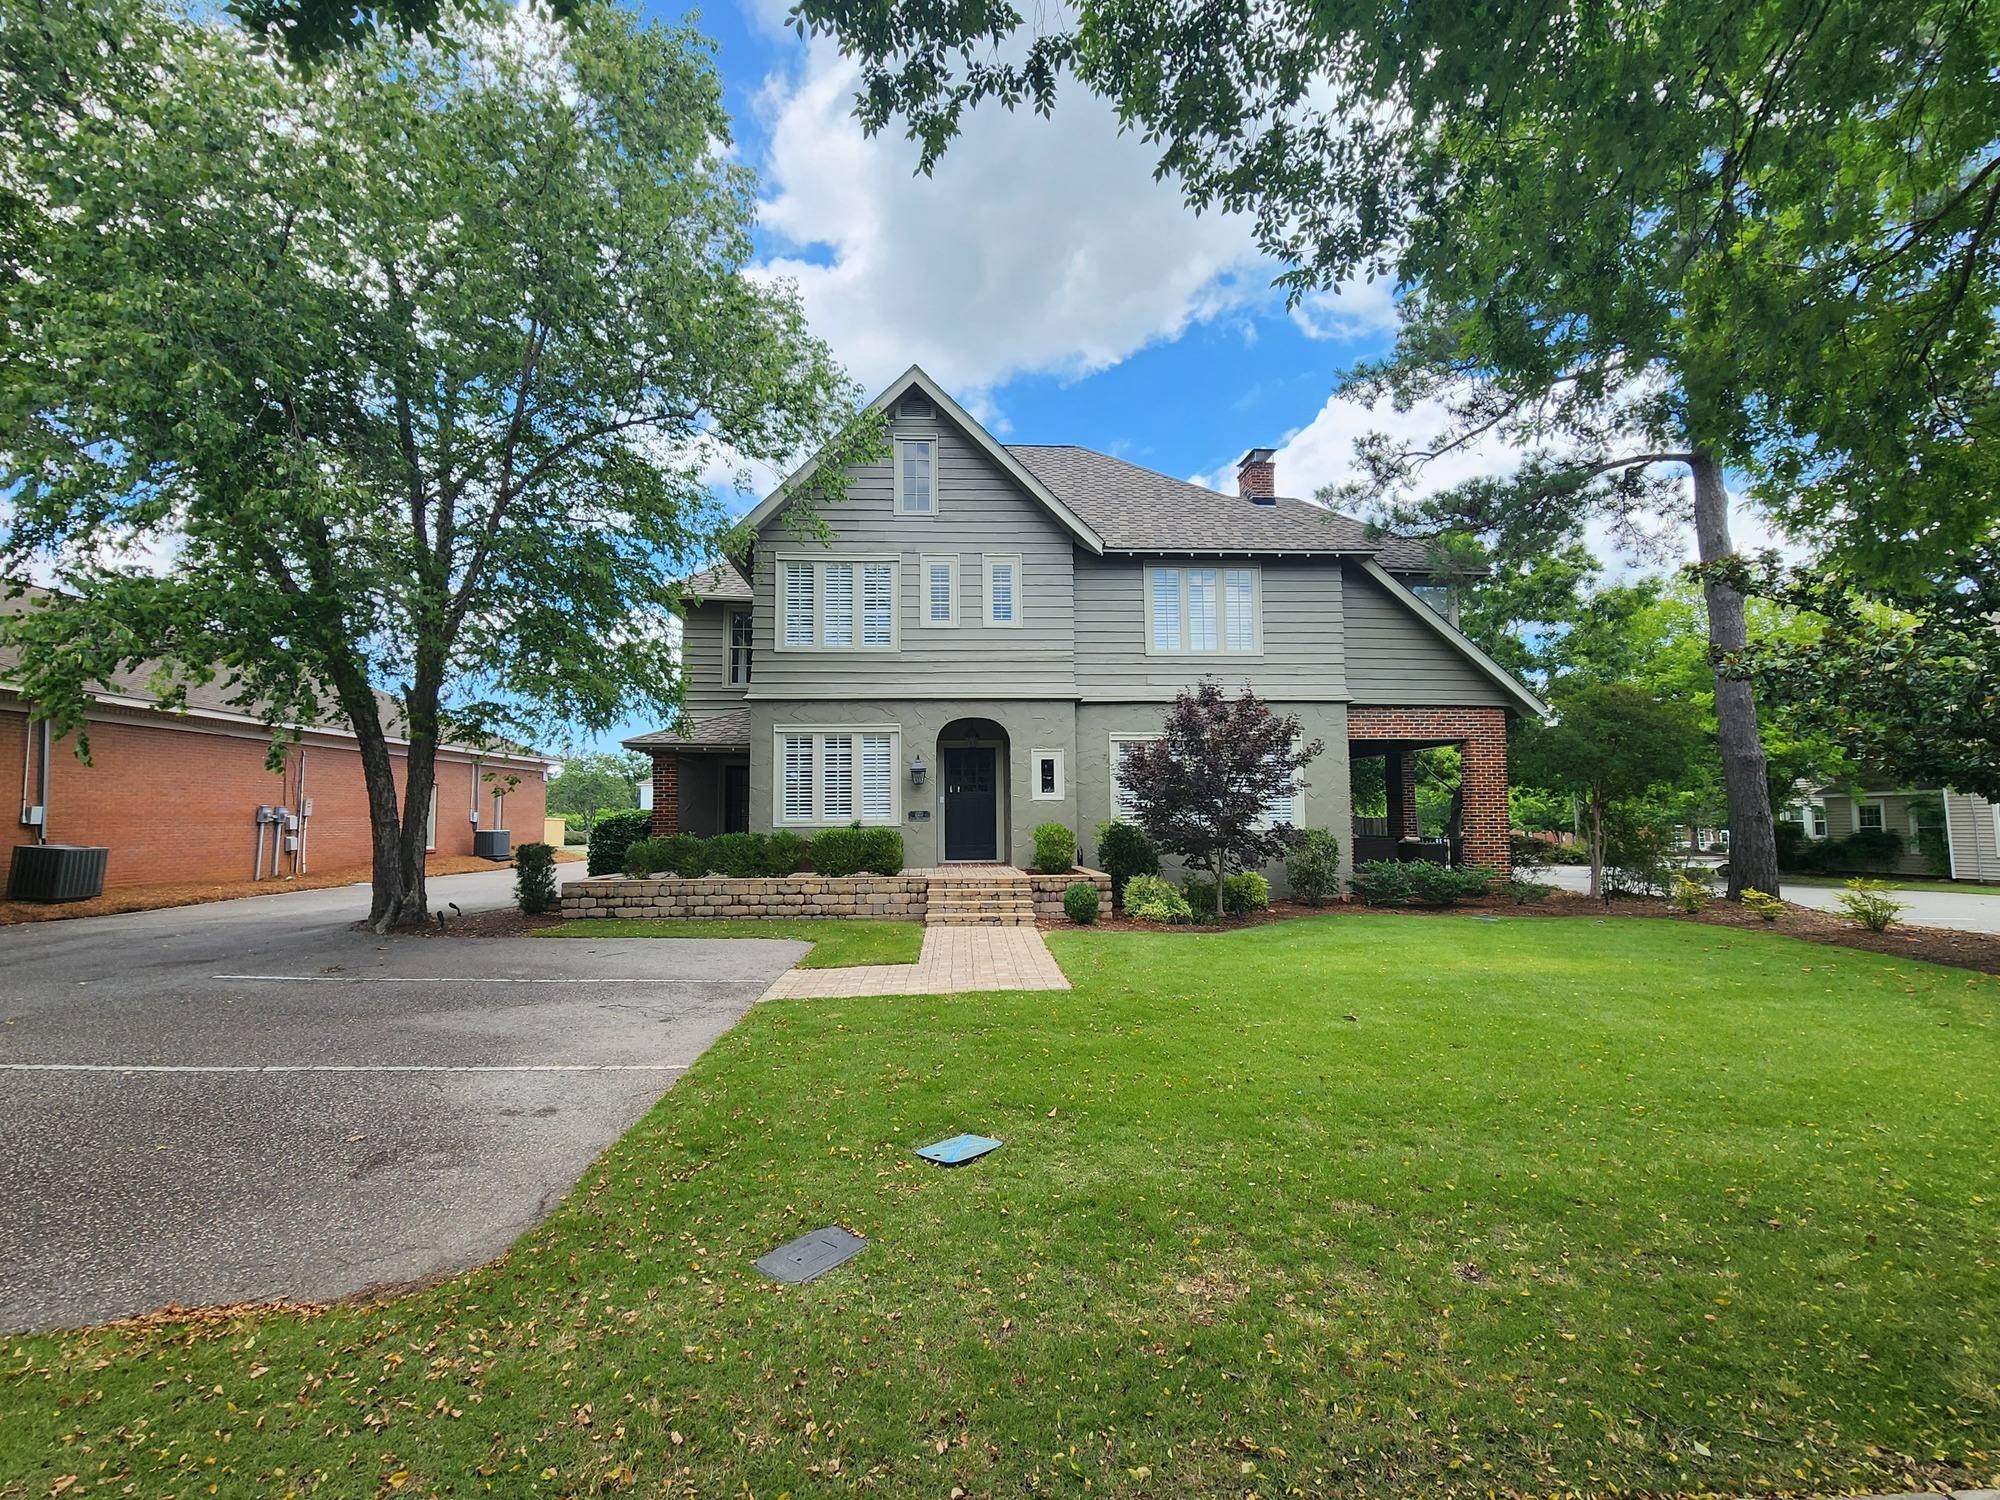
175,796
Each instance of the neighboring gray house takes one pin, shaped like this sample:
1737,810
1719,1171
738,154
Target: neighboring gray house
990,624
1965,825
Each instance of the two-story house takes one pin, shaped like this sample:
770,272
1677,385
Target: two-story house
990,625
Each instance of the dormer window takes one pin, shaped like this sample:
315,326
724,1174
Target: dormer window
741,634
916,476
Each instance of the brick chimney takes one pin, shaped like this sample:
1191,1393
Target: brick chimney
1257,476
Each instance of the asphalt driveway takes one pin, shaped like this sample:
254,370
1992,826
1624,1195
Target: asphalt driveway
248,1100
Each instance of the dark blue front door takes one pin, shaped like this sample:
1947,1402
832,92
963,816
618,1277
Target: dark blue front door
971,804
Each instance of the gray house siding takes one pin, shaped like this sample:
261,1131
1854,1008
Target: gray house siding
705,659
1975,838
980,511
1396,660
1302,652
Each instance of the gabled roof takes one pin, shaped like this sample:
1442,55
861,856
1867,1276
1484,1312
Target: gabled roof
1137,510
712,734
915,379
1526,701
723,583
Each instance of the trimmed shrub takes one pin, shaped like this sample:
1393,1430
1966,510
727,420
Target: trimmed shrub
613,834
685,854
784,852
741,856
1245,891
1689,894
1384,882
1080,903
1442,885
840,851
1868,903
1312,869
1148,898
882,851
1124,851
1055,849
1529,852
1524,891
535,879
642,858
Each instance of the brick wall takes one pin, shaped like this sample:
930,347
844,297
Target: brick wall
666,794
888,896
176,800
1481,734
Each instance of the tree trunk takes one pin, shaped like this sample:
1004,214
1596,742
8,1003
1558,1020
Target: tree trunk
1753,843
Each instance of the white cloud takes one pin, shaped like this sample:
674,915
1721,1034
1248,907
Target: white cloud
1039,245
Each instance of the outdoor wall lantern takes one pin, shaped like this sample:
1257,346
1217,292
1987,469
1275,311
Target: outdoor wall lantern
918,770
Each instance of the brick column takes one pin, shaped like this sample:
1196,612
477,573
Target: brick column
1400,774
1484,816
666,793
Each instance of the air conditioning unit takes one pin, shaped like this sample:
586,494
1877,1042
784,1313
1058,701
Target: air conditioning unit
492,843
56,872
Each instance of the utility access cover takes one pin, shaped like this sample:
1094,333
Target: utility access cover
812,1255
959,1150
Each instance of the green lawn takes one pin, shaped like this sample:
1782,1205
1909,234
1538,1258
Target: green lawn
838,943
1365,1204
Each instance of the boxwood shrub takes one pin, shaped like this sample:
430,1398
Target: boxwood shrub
1245,891
1080,903
1055,849
612,835
1123,850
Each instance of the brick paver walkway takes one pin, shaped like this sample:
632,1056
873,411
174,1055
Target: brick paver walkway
955,960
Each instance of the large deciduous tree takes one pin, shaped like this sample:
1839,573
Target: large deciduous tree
413,373
1634,236
1205,788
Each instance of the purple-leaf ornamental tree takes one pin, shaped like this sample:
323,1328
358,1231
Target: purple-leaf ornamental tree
1203,790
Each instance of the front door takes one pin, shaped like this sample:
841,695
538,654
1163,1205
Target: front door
971,804
735,799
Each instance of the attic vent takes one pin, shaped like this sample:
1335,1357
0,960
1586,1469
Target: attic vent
916,404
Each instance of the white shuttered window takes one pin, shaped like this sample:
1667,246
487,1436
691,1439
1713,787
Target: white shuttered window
837,776
820,604
1204,610
836,763
878,771
798,604
1166,605
878,604
836,595
795,803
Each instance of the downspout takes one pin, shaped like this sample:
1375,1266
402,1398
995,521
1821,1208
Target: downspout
299,854
475,795
42,784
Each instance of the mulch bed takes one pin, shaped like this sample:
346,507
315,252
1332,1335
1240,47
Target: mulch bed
505,922
1937,945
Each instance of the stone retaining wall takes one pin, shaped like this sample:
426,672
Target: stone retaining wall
1049,893
887,896
905,897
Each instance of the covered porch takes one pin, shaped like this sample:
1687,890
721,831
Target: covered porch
1475,830
701,775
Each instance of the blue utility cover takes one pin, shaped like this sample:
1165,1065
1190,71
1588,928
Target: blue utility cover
959,1150
811,1255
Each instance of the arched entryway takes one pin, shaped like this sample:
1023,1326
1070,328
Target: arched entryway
972,792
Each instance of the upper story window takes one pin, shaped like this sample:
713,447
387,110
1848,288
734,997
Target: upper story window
741,634
940,591
1437,596
836,606
916,476
1003,590
1204,609
1869,818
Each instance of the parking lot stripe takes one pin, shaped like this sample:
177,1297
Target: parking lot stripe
465,979
344,1067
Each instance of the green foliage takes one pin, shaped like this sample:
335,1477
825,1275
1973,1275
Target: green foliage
1521,892
1124,851
1081,901
1640,858
1869,904
382,411
535,887
882,851
1312,866
1055,848
1527,852
1866,849
642,857
611,836
593,783
1933,842
1689,894
1389,882
1148,898
1763,904
1244,892
785,852
741,856
1199,893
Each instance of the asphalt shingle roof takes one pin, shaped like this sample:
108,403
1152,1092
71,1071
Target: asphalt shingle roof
712,732
722,581
1136,510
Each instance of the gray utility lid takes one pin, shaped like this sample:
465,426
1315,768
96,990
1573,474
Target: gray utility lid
811,1255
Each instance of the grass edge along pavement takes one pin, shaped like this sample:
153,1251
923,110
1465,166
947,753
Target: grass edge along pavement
1322,1206
838,942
